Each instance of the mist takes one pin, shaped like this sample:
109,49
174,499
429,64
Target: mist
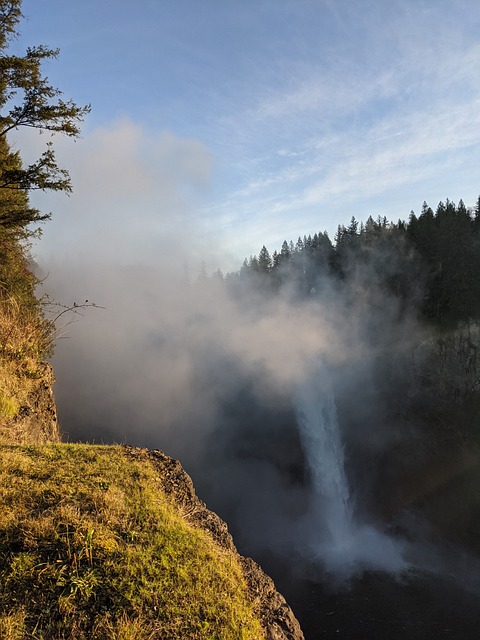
220,381
236,382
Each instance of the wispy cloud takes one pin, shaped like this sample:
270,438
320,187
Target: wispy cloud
282,118
349,127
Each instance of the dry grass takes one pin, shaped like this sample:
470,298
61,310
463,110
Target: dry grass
91,549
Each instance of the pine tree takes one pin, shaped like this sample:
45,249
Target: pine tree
285,253
27,100
264,260
476,215
253,263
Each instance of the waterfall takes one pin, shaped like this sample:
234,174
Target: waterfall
335,536
320,435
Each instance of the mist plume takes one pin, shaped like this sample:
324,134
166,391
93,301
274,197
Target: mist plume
211,374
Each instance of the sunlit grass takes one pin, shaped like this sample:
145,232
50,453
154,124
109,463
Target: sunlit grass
90,548
25,338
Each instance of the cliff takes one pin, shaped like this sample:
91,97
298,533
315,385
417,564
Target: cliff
27,406
112,542
276,617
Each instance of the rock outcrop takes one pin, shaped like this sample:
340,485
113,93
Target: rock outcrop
29,413
276,616
40,408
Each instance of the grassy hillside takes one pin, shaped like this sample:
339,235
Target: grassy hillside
27,407
92,548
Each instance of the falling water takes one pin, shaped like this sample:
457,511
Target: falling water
339,540
320,433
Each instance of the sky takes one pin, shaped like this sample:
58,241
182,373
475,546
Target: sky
220,126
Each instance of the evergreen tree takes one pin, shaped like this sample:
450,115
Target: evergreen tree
352,229
253,263
476,215
448,245
340,234
28,100
299,246
285,253
264,260
244,269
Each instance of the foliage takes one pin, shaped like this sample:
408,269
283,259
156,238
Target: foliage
91,548
448,243
431,263
28,100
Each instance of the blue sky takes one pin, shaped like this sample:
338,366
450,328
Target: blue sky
218,126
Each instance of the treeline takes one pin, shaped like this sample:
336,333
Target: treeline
430,263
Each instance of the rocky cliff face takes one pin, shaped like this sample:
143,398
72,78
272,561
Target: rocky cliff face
28,412
277,618
40,408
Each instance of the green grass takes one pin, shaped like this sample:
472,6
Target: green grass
90,548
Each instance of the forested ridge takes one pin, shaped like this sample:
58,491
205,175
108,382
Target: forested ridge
426,268
431,263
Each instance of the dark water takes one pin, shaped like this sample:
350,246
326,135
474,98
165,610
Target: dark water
417,605
375,606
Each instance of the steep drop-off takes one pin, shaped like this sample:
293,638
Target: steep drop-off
112,542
